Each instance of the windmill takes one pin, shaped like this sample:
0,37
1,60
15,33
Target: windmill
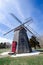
20,36
35,35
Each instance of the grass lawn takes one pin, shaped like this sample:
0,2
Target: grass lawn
32,60
5,50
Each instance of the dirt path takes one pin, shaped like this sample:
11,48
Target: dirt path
3,56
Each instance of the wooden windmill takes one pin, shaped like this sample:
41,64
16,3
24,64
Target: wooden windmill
20,36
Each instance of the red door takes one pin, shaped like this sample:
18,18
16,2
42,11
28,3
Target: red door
14,44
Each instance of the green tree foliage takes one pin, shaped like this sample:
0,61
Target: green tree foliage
34,42
4,45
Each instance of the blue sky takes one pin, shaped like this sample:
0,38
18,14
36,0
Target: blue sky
23,9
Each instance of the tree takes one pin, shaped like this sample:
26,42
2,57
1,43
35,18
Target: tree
34,42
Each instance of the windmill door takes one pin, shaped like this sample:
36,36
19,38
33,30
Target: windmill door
14,44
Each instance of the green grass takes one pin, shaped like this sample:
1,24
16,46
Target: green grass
5,50
32,60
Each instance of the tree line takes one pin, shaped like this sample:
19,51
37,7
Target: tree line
5,45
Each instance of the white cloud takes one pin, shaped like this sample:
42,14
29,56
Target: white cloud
5,40
2,4
1,31
17,6
2,16
4,21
